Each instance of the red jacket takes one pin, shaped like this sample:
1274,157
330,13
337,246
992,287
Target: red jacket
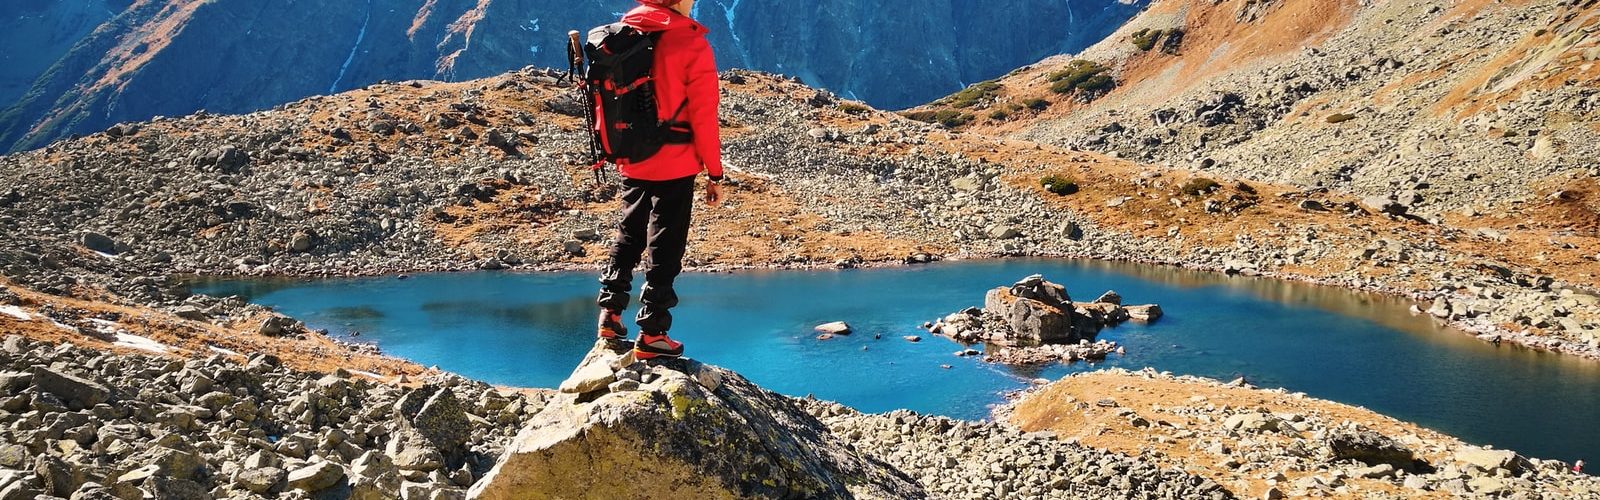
684,69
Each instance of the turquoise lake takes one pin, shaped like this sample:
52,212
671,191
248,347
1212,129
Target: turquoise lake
529,329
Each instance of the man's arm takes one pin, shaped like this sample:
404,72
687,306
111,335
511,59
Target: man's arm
702,109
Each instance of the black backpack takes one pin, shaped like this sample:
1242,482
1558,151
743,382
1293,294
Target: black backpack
620,95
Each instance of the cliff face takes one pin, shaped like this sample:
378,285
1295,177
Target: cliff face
47,29
899,58
93,64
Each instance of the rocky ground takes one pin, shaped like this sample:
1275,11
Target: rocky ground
1274,444
84,423
963,459
102,231
88,424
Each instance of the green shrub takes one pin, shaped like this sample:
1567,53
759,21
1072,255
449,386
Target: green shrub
947,117
1036,104
1246,188
999,115
921,116
1340,117
1081,74
853,108
1199,186
1145,39
955,118
1098,83
1058,184
971,95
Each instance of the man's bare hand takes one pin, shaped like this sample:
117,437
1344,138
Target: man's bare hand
713,194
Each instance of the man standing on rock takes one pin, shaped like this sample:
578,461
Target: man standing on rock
658,192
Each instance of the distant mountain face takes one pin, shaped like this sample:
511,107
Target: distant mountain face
72,67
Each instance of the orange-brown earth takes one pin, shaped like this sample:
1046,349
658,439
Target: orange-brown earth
1071,408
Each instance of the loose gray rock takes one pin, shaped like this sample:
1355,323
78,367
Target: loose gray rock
78,393
316,477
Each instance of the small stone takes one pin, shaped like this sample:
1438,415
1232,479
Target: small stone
1486,486
573,247
316,477
261,480
1110,297
191,313
99,243
1380,471
300,242
588,378
1416,482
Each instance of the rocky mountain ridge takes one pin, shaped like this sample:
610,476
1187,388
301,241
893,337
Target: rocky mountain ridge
1420,106
93,64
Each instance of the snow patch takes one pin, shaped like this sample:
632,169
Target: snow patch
727,12
353,49
368,374
106,255
16,312
65,326
125,339
136,342
533,26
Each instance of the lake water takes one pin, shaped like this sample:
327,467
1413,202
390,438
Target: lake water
529,329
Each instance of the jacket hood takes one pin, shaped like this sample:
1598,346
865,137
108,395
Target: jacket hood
652,18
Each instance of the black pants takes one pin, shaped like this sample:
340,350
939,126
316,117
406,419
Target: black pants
655,217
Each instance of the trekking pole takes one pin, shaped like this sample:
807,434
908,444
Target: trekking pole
574,56
575,65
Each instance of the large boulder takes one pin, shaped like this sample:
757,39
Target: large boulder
433,419
1371,448
687,430
1492,461
78,393
1036,312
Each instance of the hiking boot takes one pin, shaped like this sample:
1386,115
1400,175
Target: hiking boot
651,346
611,326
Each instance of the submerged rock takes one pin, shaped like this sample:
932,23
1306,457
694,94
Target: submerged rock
691,431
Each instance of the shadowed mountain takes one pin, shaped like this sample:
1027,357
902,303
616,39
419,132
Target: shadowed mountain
93,64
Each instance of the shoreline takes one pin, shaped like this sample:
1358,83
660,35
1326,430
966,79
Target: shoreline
1490,333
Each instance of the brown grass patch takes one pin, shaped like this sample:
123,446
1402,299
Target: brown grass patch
187,338
1068,408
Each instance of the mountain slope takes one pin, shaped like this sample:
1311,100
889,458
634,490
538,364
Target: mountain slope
109,61
1440,105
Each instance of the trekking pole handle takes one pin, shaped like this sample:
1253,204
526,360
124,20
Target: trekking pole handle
574,49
